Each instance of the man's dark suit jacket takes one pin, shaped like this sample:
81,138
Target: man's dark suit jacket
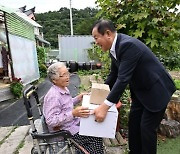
137,66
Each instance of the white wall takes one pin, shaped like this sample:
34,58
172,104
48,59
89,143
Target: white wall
24,58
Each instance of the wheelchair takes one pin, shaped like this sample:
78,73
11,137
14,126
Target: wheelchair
45,142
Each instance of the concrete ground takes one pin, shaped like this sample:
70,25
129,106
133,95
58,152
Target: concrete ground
12,138
16,140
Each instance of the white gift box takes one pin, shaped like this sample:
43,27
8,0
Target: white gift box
105,129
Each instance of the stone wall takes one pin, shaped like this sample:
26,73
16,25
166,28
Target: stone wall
170,126
175,74
173,110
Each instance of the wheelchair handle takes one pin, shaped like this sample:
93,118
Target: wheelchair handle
28,92
26,95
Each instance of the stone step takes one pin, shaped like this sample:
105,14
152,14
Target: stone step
5,93
115,150
5,131
117,141
12,138
28,144
116,145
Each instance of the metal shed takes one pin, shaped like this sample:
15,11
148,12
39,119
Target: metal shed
74,47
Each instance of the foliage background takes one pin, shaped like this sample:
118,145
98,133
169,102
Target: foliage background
154,22
58,22
42,54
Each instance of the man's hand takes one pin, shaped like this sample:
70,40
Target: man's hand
100,112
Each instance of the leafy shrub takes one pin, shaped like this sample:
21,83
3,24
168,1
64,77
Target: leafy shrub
16,87
172,61
41,55
125,108
95,53
89,72
43,70
177,83
41,52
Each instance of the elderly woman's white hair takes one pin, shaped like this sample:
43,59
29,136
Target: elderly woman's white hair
53,70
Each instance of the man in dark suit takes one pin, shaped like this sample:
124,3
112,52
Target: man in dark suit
151,87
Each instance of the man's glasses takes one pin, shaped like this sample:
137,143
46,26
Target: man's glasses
65,75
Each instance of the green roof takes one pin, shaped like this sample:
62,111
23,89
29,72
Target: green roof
17,25
7,10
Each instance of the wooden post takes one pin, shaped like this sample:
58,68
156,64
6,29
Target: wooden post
9,50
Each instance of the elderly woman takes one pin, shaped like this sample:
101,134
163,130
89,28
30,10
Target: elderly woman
59,111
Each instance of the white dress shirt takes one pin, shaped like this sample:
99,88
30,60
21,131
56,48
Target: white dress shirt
112,51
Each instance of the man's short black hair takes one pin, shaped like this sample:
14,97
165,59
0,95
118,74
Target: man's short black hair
102,25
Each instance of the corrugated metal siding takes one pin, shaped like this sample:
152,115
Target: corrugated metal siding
74,47
16,25
5,9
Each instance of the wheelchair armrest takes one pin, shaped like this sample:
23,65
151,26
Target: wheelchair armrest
62,133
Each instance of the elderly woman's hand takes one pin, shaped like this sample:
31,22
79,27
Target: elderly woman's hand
80,96
81,111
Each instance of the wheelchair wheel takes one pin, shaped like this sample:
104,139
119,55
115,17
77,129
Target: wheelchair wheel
34,151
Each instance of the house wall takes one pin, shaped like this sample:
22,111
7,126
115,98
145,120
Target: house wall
24,58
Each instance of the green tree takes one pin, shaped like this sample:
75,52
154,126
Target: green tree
83,28
58,22
155,22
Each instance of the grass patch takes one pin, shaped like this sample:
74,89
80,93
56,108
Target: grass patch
177,83
165,146
89,72
83,88
19,147
169,145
